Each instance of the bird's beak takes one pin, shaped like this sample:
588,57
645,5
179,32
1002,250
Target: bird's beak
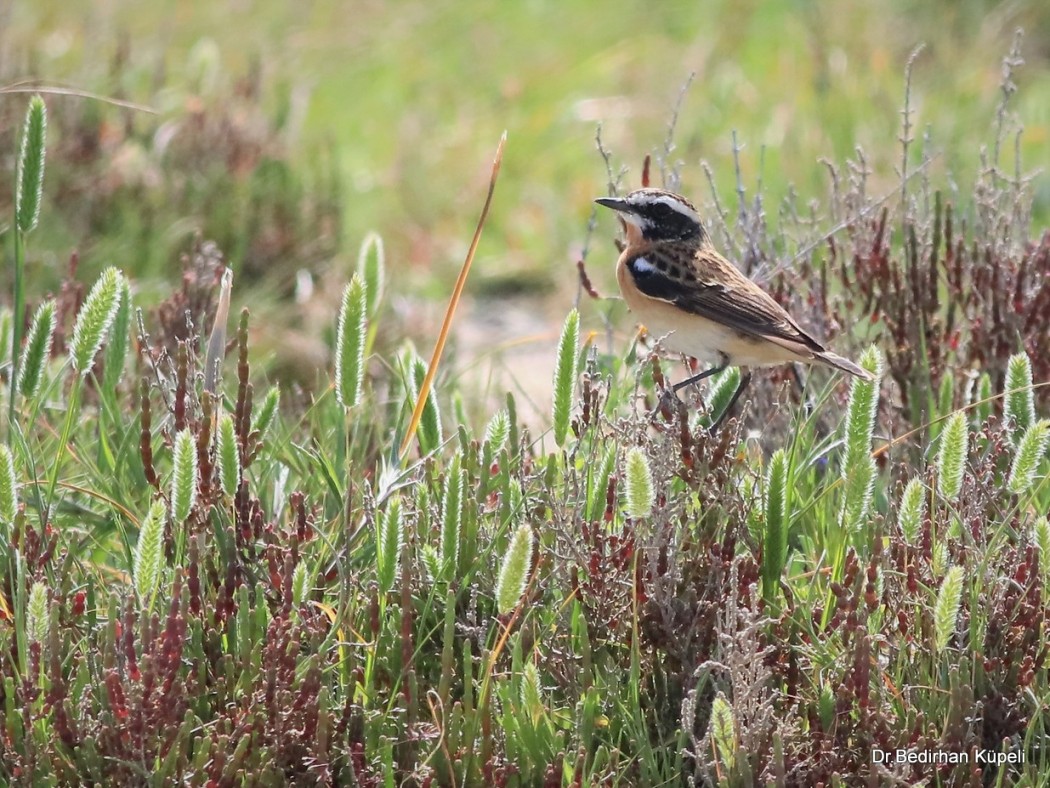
616,203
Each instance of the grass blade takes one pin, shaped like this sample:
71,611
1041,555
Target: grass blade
450,313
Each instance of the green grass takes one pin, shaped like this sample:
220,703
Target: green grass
235,586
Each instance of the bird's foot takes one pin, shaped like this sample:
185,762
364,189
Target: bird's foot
669,404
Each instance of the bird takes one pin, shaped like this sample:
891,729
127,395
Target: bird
697,302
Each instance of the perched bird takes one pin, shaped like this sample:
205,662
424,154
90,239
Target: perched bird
683,290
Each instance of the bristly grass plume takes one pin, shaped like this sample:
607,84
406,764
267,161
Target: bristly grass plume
565,372
639,483
350,344
946,608
94,320
514,572
148,553
951,457
31,166
37,349
1019,404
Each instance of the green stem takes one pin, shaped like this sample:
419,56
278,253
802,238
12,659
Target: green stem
16,320
67,430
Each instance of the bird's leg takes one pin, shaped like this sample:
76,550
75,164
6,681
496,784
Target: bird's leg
807,402
745,379
705,374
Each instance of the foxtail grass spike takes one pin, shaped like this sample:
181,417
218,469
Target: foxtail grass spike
8,486
775,540
119,339
1030,452
497,432
94,320
430,434
451,518
148,549
946,608
300,584
912,511
38,615
183,477
858,467
228,456
639,487
388,544
31,166
532,692
267,412
1041,535
1019,407
722,390
37,349
371,264
514,572
861,409
450,313
350,344
565,371
951,457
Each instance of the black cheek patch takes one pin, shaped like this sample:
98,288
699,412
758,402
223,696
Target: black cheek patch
652,281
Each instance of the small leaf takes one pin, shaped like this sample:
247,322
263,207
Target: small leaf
946,395
723,731
983,399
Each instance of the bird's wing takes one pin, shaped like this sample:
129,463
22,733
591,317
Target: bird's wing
727,297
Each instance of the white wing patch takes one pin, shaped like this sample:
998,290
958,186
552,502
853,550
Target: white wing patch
642,266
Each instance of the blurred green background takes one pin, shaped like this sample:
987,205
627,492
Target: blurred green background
366,115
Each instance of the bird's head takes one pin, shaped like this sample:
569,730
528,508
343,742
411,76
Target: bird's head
656,215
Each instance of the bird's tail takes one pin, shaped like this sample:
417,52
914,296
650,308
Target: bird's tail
847,366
